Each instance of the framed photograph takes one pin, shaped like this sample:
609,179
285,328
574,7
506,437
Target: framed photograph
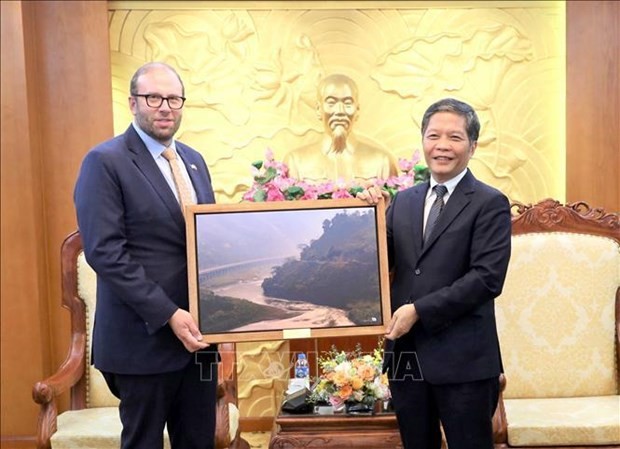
288,269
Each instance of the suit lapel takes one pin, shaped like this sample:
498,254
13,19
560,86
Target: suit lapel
459,199
147,165
417,214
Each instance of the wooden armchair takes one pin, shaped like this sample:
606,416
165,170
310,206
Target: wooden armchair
93,421
558,322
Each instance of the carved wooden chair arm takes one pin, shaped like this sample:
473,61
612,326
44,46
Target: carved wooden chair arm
226,389
46,391
222,435
69,373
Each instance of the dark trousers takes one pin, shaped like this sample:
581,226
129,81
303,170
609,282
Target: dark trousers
183,400
465,411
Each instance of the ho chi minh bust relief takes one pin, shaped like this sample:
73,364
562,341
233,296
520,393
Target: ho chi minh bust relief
340,154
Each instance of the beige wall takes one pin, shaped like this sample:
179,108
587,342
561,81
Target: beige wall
57,103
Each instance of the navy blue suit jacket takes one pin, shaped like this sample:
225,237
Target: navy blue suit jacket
133,233
452,281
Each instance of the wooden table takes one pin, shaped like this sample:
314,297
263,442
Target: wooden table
340,431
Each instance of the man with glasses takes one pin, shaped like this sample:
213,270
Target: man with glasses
128,198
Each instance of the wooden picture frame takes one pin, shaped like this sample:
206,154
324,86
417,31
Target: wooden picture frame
288,269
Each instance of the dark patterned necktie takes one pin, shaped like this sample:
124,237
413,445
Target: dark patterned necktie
436,208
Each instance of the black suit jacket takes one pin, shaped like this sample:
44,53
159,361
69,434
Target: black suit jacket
452,281
133,233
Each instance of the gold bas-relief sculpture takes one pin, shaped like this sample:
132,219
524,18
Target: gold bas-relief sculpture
252,69
340,153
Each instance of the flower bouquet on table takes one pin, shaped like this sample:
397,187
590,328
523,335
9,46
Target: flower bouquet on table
351,380
272,183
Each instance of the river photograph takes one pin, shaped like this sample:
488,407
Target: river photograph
287,269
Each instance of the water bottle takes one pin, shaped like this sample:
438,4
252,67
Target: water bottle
302,369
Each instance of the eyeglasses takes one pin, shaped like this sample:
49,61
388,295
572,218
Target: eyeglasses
155,101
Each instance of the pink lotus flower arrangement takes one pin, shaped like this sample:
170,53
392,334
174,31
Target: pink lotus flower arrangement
351,377
272,183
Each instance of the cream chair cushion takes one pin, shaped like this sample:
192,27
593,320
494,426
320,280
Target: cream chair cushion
100,428
563,421
556,323
92,428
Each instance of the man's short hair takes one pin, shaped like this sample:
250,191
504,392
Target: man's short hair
472,124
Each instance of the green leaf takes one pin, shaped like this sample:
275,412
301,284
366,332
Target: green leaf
270,174
294,193
257,164
260,196
422,174
355,190
391,190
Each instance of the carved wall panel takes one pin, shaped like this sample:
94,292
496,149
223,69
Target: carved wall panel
262,377
251,70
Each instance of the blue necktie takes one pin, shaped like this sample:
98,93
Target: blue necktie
436,208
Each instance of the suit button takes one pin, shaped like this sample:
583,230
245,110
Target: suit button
417,271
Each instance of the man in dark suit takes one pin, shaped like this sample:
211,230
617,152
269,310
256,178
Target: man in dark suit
145,342
443,354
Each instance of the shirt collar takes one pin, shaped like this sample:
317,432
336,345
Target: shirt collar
450,184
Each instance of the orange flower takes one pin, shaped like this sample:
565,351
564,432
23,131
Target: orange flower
345,392
366,372
357,383
351,377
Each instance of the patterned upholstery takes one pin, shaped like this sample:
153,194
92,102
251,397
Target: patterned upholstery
556,320
557,327
97,392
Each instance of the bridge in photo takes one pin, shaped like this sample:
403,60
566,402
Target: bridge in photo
239,267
